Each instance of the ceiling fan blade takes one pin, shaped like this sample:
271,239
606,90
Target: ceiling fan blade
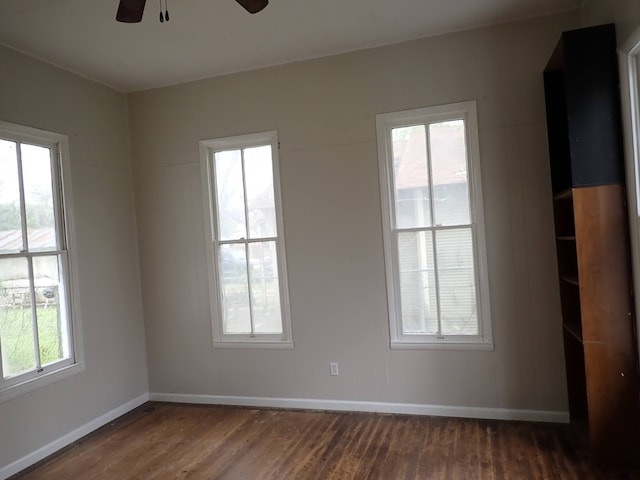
130,11
253,6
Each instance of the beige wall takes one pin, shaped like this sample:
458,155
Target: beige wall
95,119
324,111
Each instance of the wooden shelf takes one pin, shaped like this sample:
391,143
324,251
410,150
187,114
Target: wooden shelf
567,238
572,279
574,329
564,195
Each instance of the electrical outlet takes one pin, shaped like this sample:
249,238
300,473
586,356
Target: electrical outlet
333,369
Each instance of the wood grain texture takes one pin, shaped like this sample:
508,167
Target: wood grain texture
602,240
611,365
169,441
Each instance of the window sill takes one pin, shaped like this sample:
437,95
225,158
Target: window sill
16,390
442,345
252,344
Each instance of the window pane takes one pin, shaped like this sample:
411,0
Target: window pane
449,171
53,333
38,193
230,195
10,221
16,321
417,283
236,316
265,289
456,277
259,179
411,177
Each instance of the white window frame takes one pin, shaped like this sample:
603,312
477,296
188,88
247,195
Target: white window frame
207,151
629,65
384,124
63,208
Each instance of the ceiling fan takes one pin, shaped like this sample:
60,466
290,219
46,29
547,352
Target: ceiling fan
130,11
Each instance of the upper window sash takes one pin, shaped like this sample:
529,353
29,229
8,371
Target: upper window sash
55,168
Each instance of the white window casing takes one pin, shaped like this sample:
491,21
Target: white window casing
40,331
433,228
245,242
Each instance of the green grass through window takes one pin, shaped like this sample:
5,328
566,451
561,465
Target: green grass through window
16,334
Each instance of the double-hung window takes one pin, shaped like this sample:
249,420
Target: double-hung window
245,243
37,338
433,228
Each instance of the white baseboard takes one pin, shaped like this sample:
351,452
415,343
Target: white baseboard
34,457
377,407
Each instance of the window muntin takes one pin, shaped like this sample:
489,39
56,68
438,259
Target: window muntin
246,250
433,229
36,326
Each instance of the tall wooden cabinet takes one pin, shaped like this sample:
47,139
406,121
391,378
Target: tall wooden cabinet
592,241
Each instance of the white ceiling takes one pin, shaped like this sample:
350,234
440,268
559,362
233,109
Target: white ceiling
205,38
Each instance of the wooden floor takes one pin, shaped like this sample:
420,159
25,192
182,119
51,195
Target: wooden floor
168,441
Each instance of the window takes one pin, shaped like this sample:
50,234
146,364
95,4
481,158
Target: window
433,229
37,338
247,272
630,95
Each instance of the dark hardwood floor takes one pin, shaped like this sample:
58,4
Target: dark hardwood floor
168,441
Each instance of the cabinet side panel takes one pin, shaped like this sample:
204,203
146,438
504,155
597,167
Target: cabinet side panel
603,265
612,398
593,106
610,357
